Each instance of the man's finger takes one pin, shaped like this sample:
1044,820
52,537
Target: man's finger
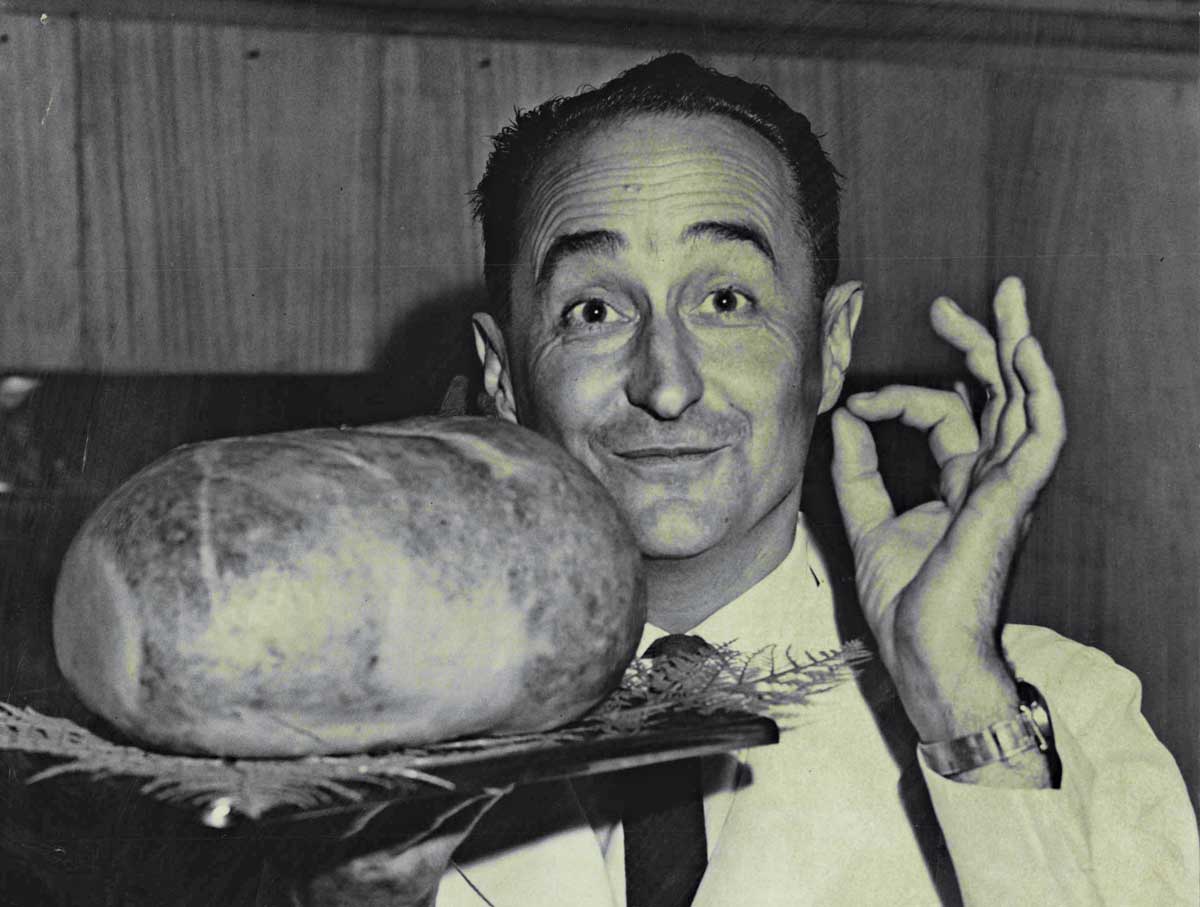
964,393
975,341
1012,327
943,414
862,498
1034,458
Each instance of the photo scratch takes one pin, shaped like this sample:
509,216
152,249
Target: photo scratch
50,103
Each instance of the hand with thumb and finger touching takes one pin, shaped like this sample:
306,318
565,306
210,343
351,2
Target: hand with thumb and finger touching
931,580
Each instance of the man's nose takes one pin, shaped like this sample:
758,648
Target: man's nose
664,379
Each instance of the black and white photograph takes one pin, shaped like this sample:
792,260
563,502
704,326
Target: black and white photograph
559,453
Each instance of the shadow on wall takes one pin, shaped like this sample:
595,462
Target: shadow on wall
431,347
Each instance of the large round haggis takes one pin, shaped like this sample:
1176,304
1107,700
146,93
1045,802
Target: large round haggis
331,591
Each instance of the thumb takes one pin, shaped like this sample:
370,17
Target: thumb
862,498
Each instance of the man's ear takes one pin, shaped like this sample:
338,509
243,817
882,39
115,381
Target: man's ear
493,357
839,318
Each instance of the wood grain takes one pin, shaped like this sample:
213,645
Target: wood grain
1096,202
916,207
40,291
1139,36
257,200
228,195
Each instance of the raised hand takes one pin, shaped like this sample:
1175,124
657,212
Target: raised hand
931,580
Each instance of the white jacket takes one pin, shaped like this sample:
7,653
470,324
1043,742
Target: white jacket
843,812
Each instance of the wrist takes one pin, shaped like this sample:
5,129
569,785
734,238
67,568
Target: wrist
960,691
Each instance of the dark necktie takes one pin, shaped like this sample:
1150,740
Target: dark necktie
665,846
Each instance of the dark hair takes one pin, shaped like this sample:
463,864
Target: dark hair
674,83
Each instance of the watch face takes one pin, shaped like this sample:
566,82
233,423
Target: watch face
1033,700
1034,705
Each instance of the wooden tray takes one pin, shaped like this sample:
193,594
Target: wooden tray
529,760
222,792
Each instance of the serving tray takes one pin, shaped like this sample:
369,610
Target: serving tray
665,709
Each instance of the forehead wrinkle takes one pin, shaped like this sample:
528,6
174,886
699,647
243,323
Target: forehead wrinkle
687,151
758,187
559,173
554,216
555,227
724,142
650,176
679,207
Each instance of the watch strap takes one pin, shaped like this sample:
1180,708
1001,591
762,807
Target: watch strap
999,742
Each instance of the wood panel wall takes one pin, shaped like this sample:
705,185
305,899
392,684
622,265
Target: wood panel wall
1096,200
215,198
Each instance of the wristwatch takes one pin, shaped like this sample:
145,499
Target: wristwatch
998,742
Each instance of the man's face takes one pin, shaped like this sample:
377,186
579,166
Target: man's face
664,325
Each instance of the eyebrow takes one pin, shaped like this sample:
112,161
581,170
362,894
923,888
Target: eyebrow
735,231
584,242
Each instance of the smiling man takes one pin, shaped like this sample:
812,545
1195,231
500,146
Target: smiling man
665,329
661,256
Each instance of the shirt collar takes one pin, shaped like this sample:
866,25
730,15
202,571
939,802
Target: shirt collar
790,606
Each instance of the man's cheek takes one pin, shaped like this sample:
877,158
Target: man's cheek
566,405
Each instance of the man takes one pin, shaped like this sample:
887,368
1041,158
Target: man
661,257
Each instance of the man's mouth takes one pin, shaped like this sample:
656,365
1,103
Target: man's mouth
666,455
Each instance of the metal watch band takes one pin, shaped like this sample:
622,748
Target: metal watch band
1031,729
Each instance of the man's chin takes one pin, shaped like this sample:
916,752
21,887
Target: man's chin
677,531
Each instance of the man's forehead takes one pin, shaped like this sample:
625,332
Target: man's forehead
668,170
639,137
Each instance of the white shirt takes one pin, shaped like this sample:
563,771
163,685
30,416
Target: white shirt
836,813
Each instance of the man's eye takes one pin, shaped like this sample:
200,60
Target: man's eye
588,311
727,300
